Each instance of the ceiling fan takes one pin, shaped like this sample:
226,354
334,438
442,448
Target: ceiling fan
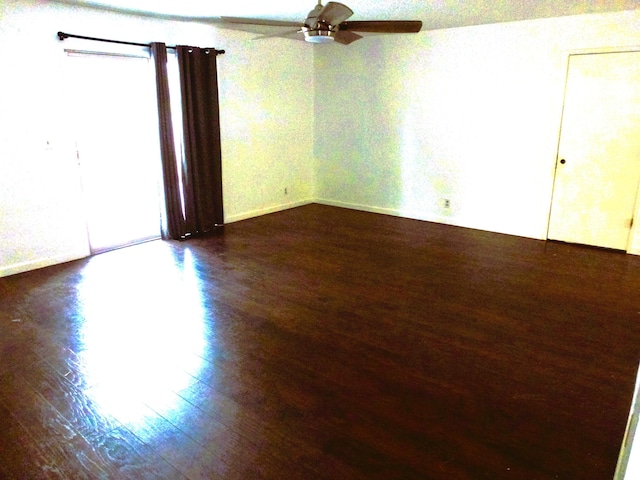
327,23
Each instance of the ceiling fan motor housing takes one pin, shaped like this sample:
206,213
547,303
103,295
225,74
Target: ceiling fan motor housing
322,33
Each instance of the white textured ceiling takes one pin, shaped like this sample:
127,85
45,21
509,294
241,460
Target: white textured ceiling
433,13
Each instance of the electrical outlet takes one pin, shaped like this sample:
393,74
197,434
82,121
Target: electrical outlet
286,190
447,203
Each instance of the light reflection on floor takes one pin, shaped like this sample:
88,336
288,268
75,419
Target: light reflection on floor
143,329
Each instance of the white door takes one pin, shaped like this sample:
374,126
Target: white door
116,127
598,165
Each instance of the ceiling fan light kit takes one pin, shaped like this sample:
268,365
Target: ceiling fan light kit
319,35
327,24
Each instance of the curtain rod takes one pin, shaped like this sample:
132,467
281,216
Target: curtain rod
63,35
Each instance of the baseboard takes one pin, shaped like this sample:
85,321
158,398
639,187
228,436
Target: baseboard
388,211
453,220
265,211
355,206
7,270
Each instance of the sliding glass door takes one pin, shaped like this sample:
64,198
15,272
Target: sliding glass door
112,102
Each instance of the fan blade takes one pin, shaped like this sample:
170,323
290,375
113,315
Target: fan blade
335,13
383,26
291,34
260,21
346,37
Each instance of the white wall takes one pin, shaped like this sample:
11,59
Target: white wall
469,114
267,128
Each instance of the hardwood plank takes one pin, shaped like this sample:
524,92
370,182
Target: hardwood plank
55,436
82,412
175,446
131,458
19,454
292,422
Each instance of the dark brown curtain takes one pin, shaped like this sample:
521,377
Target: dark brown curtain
202,162
173,224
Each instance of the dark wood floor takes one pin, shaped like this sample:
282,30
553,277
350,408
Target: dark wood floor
321,343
